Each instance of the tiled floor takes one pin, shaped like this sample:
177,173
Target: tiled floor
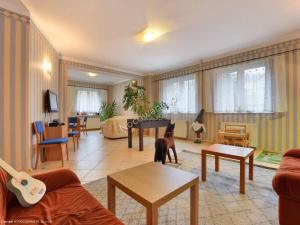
96,156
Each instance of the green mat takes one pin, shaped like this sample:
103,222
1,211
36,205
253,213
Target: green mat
269,157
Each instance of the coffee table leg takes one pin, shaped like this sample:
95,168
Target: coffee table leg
242,176
203,164
194,201
152,215
111,197
216,163
251,158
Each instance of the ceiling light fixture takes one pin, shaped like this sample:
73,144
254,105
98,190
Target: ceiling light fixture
92,74
149,35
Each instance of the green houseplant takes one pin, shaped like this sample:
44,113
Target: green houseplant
135,99
156,112
107,110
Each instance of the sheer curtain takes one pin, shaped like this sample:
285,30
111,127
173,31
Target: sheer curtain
246,88
179,93
89,100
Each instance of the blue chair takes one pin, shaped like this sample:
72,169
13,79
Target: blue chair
43,142
74,129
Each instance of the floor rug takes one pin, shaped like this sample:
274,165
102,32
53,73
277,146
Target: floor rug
269,157
220,202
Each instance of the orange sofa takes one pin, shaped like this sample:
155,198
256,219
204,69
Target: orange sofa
286,183
66,202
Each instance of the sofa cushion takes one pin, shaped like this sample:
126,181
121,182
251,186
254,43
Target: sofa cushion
293,153
71,204
287,179
3,195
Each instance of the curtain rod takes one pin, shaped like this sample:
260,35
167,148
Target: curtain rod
229,64
255,58
82,86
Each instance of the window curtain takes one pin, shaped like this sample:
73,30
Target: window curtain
179,93
258,86
89,100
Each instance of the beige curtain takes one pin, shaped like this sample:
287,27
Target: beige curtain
275,84
279,90
14,89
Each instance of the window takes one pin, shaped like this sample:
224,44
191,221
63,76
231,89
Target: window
89,100
243,88
179,93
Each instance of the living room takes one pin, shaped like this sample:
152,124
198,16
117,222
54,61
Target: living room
149,112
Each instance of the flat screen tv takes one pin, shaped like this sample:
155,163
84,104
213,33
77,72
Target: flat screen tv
51,104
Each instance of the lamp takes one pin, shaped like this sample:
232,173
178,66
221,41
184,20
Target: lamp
47,67
133,83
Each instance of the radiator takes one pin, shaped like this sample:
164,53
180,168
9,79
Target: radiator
181,129
252,128
93,123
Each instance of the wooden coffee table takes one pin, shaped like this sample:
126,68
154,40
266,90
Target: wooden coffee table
232,152
152,185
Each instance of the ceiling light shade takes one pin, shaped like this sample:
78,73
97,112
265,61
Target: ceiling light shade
92,74
149,35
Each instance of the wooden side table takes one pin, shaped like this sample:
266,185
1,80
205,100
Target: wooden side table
152,185
54,153
232,152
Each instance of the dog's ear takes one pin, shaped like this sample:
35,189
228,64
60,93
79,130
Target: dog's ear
173,125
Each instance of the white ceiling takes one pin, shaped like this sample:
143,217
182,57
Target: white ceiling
103,78
103,32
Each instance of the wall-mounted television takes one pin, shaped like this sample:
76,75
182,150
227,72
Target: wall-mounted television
51,103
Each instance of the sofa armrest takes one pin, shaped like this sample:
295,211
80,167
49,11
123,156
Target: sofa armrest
287,184
58,178
293,153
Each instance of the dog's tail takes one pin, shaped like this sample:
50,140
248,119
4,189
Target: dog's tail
159,150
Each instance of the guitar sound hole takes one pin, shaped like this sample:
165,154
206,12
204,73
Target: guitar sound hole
24,182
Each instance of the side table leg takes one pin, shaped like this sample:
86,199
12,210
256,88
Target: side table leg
129,137
251,159
141,134
152,216
203,166
194,201
242,176
156,133
111,197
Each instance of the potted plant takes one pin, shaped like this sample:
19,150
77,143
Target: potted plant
135,99
107,110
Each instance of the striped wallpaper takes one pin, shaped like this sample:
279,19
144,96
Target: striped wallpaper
41,50
278,131
14,107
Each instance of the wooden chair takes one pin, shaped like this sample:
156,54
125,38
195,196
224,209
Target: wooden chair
83,125
235,134
43,142
74,129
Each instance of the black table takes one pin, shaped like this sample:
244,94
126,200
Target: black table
141,124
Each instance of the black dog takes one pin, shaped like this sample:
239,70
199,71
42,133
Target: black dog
162,146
